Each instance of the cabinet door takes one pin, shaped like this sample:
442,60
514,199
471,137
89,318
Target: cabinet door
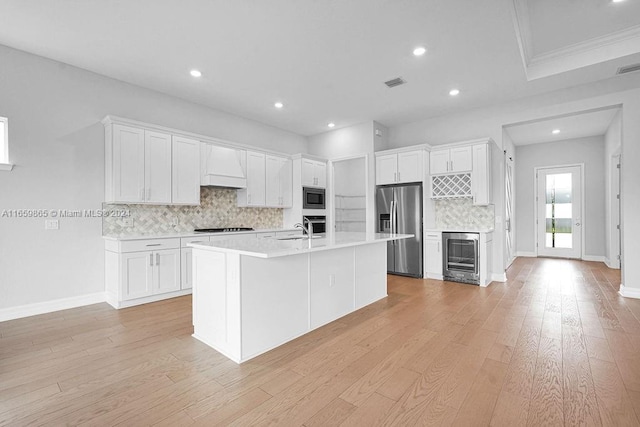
308,173
481,176
321,174
386,169
439,162
186,268
410,166
460,159
157,167
273,195
166,271
137,274
433,253
255,179
185,171
128,164
286,183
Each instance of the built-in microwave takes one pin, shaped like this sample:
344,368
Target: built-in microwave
313,198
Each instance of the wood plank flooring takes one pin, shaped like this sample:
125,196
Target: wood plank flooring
555,345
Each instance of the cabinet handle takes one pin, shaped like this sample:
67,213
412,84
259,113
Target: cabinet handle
438,247
157,259
248,198
154,244
151,260
399,179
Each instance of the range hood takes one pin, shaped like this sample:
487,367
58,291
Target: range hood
222,166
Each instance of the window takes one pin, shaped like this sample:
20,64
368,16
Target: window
4,144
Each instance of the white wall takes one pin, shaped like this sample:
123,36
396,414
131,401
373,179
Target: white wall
589,151
612,142
618,91
510,158
56,142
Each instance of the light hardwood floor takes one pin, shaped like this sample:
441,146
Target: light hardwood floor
555,345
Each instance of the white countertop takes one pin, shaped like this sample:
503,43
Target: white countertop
271,248
192,234
460,230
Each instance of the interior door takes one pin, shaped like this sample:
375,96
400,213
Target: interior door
559,212
508,213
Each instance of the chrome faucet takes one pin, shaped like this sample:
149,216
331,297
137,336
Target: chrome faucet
308,230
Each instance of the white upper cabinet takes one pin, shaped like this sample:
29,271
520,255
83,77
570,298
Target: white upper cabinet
278,181
185,172
124,155
157,167
254,194
481,175
399,167
314,173
147,166
452,160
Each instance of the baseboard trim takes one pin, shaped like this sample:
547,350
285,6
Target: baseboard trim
27,310
527,254
595,258
497,277
628,292
614,264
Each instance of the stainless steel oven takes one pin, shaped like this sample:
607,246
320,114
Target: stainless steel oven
460,257
318,223
313,198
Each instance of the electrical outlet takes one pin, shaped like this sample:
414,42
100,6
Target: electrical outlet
127,222
51,224
175,221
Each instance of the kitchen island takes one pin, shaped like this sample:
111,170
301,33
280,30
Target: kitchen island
252,295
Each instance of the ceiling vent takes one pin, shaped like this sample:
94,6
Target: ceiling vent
628,69
395,82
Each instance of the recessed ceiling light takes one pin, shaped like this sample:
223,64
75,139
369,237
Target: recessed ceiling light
196,73
278,105
617,1
555,131
331,124
419,51
454,92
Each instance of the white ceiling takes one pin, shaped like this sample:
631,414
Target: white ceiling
325,60
579,125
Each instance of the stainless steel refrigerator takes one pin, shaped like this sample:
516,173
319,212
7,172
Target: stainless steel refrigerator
399,210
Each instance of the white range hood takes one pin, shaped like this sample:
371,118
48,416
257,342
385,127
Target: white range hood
223,166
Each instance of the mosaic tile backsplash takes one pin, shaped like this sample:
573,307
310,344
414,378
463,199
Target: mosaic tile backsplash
461,212
218,208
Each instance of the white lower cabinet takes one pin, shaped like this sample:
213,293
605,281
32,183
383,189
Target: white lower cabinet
141,271
433,255
186,256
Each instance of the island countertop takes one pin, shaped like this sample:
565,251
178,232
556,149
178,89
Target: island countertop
274,247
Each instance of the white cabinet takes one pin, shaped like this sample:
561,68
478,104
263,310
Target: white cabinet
278,181
314,173
433,254
141,271
146,166
399,167
185,171
157,167
452,160
254,194
481,175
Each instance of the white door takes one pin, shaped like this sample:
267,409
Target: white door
508,233
410,166
559,211
272,181
137,274
308,177
286,180
128,164
438,161
386,169
255,179
460,159
167,271
157,167
320,169
185,171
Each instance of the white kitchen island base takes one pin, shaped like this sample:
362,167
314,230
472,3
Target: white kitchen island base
247,304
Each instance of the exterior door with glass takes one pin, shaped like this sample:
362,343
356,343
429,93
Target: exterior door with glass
559,211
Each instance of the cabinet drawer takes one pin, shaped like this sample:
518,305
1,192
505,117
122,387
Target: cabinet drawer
433,236
149,245
197,239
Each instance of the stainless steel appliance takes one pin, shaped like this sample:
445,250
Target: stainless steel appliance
399,210
313,198
222,230
317,223
460,257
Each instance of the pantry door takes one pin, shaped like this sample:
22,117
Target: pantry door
559,211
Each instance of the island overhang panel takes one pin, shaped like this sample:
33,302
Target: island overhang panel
250,299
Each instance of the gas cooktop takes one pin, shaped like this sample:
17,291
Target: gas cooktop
222,230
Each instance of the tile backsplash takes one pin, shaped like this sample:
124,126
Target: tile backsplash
451,213
218,208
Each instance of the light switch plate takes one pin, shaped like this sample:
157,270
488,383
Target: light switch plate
51,224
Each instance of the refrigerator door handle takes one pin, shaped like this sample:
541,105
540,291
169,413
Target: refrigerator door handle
395,217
